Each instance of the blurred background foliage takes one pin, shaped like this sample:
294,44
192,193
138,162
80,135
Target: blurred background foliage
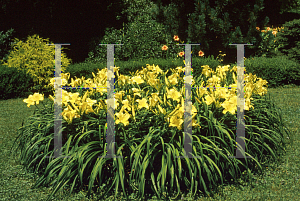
213,24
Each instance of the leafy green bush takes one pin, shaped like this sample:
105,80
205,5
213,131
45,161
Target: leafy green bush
220,23
86,69
83,69
99,55
14,83
143,37
268,42
212,62
278,71
37,58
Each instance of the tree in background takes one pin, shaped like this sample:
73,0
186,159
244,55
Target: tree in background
290,40
213,24
273,9
173,12
77,22
216,24
173,15
143,37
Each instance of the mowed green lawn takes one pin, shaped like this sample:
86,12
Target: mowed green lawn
280,182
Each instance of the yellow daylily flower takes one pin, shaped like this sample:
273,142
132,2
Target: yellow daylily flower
32,99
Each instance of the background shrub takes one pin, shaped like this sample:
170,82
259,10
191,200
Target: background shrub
212,62
84,69
99,53
278,71
37,58
14,83
269,43
142,37
216,24
127,67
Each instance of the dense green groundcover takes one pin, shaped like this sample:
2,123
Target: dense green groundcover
151,153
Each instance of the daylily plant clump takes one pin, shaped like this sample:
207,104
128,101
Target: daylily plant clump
131,97
149,119
269,41
274,30
151,90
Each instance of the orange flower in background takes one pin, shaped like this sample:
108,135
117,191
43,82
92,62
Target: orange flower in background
257,28
274,30
176,38
181,54
201,54
164,47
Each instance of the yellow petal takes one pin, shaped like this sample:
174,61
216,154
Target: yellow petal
133,112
